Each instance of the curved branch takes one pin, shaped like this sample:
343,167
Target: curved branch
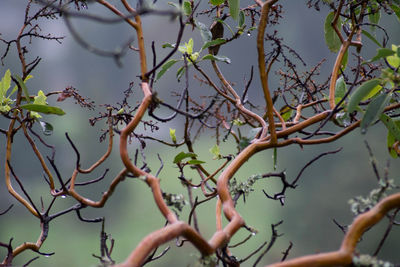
345,254
162,236
261,66
11,190
119,13
238,99
97,204
40,158
106,154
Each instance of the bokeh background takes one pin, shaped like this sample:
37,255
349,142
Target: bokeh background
322,194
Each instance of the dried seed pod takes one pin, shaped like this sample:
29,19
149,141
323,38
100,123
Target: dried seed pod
217,31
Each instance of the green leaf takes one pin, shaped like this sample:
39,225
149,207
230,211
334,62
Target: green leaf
16,87
187,8
5,108
204,31
217,58
24,89
396,10
373,92
382,53
390,142
251,29
5,84
180,72
193,57
216,152
372,38
238,122
13,90
190,46
213,42
2,93
287,115
234,8
217,2
390,124
286,112
331,38
172,134
242,19
165,45
182,155
40,99
362,91
186,47
391,139
394,60
165,67
195,162
43,109
47,128
340,90
374,111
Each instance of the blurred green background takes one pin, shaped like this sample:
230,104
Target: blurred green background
322,194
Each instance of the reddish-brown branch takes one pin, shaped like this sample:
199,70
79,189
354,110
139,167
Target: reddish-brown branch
213,85
123,145
261,65
335,72
283,123
109,148
29,245
11,130
211,176
218,211
162,236
128,7
97,204
343,49
20,51
137,25
152,181
300,107
40,158
7,176
315,119
235,220
119,13
335,20
237,99
142,50
296,127
345,254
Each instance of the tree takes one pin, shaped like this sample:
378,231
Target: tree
305,110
